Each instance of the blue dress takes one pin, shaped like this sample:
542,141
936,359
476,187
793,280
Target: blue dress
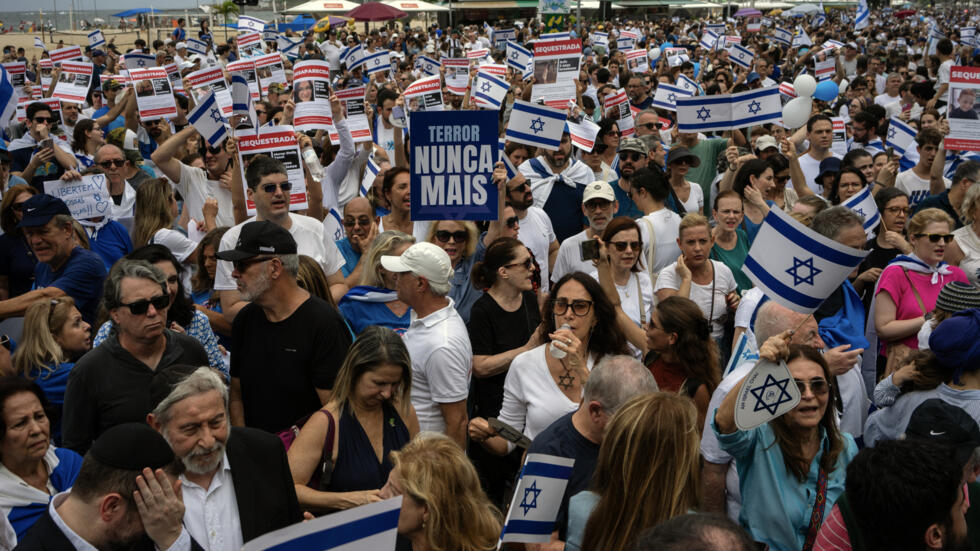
357,467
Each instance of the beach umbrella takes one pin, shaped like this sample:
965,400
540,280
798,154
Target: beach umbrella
748,12
375,11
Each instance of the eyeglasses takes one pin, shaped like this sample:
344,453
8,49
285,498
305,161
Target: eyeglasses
630,156
897,210
242,265
579,307
44,119
351,222
520,187
109,163
621,245
819,387
593,204
271,188
18,206
526,264
96,94
457,236
650,125
511,222
935,237
141,307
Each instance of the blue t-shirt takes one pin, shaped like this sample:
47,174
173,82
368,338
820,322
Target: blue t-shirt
351,257
626,205
23,517
118,122
365,305
179,34
111,242
80,278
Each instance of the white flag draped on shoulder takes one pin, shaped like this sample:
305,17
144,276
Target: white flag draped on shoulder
666,96
248,23
863,18
489,90
537,125
863,204
537,498
518,57
371,527
900,136
741,56
208,120
96,39
807,268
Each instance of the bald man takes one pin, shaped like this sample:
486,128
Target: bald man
361,225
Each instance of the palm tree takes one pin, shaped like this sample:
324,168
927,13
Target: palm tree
225,10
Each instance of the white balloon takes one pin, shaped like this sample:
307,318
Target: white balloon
843,86
805,86
654,53
797,112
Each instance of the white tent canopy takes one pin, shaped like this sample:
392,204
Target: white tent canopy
322,6
408,6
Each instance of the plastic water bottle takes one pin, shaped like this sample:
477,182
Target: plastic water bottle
313,163
558,353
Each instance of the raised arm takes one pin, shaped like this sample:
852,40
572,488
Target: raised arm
163,157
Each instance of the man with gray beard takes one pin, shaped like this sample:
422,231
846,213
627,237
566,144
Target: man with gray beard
236,485
287,345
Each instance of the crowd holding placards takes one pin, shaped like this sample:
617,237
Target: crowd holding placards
250,282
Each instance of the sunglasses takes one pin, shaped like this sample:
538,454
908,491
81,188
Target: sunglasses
819,387
457,236
625,156
511,222
363,222
261,112
521,186
44,119
242,265
526,264
142,306
650,125
118,163
579,307
271,188
621,245
935,237
215,150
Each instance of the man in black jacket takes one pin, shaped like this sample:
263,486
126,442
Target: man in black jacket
236,485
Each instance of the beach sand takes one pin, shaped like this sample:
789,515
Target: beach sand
122,39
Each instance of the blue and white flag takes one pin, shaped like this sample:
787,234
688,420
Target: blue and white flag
489,30
247,23
756,107
240,94
782,36
864,205
511,169
427,65
728,111
537,498
666,96
502,37
742,353
537,125
371,527
489,90
709,40
376,62
687,84
968,35
96,38
953,161
802,39
135,60
289,47
819,20
741,56
600,39
196,46
38,43
8,99
808,268
554,36
518,57
900,136
863,18
352,56
371,170
208,120
625,43
717,28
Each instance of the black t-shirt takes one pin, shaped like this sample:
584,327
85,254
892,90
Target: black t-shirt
563,440
280,365
879,257
494,330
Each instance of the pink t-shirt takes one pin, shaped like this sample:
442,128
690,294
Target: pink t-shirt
894,282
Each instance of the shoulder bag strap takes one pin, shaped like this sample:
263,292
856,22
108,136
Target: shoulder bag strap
918,298
639,299
816,517
651,252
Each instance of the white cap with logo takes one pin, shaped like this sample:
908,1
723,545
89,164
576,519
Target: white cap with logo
422,259
598,190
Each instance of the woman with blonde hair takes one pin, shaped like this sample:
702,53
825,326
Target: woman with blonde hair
156,210
443,506
374,301
639,482
461,241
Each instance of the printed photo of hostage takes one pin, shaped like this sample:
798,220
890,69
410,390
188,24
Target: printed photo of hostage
964,106
304,91
144,88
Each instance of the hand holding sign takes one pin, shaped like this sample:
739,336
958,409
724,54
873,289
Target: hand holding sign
769,390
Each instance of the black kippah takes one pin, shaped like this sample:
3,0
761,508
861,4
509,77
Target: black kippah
132,447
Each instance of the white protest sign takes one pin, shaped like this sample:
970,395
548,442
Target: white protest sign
86,198
154,97
278,142
73,82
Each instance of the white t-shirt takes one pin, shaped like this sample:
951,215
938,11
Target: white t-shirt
537,233
695,200
714,305
917,188
666,224
195,187
743,314
711,449
442,359
569,257
885,99
811,168
180,246
636,298
310,241
942,75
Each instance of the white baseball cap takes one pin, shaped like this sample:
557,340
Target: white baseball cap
422,259
598,190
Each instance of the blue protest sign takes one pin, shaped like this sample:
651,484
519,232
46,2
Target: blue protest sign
453,153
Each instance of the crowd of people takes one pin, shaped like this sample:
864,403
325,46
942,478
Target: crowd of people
180,374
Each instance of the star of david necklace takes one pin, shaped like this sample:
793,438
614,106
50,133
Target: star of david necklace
566,380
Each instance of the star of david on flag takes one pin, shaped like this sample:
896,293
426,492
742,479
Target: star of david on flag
537,498
709,40
248,23
863,18
96,38
537,125
808,268
666,96
208,121
196,46
352,57
900,136
864,204
137,61
741,56
376,62
771,394
489,90
782,36
518,57
728,111
427,65
687,84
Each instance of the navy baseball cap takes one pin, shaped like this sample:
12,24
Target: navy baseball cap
40,209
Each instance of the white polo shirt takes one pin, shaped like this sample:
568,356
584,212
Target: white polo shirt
211,514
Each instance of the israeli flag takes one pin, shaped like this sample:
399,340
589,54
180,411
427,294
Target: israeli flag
376,62
208,120
819,20
863,18
240,94
968,35
289,47
709,40
427,65
808,268
371,171
782,36
536,125
352,57
864,205
489,90
666,96
600,39
717,28
373,526
741,56
802,39
704,113
96,38
518,58
537,498
687,84
900,136
247,23
38,43
756,107
489,30
554,36
196,46
743,353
